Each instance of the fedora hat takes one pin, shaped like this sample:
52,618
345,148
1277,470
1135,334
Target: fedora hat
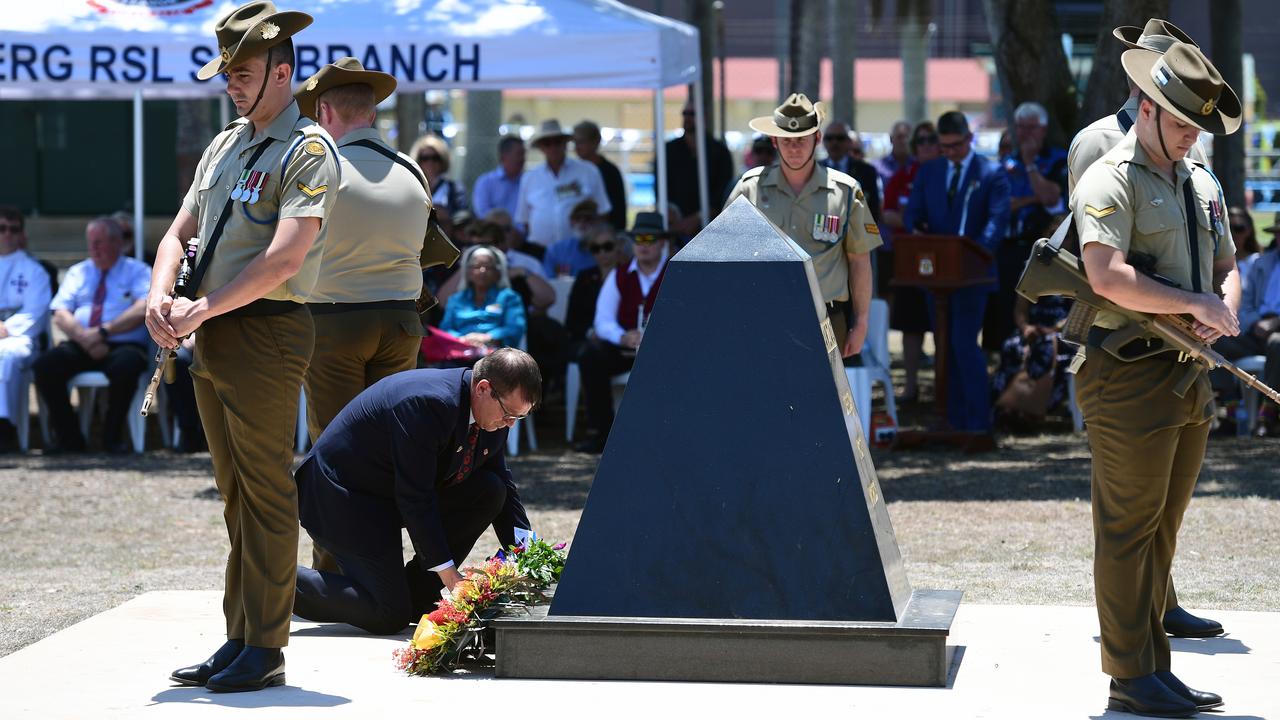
251,30
550,129
648,223
1185,83
1156,36
796,117
346,71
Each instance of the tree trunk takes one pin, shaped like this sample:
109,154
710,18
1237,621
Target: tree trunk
913,40
1226,25
807,22
702,17
843,22
1108,88
1031,64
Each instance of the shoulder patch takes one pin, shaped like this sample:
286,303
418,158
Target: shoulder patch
314,147
872,228
1099,212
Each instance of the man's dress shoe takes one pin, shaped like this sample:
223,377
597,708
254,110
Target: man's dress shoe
198,675
254,668
1146,695
1182,624
1203,700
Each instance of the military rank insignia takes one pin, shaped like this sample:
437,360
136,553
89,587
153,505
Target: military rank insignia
826,228
249,188
315,147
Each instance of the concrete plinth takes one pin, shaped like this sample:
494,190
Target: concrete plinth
912,651
1014,662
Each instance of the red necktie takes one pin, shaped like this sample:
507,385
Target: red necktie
99,296
469,456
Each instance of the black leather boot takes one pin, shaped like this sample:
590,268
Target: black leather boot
1180,623
1203,700
1146,695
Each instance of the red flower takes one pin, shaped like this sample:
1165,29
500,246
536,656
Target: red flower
437,616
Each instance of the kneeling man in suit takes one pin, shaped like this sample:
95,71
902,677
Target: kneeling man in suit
422,450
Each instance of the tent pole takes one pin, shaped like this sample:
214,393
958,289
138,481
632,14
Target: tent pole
660,154
702,149
139,229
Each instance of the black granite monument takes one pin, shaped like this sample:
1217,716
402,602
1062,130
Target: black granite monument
735,529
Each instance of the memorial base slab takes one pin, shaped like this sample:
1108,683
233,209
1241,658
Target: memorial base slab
910,652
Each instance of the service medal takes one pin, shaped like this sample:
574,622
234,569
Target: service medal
257,187
238,192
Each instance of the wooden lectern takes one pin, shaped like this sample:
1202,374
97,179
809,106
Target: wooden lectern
941,264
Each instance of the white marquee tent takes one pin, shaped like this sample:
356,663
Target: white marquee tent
104,49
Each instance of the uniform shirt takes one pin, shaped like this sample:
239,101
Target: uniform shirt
546,199
24,295
1103,134
567,257
495,190
302,179
375,231
829,199
1125,202
127,282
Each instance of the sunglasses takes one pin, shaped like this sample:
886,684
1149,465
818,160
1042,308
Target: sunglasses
428,158
601,247
835,138
927,140
647,238
15,229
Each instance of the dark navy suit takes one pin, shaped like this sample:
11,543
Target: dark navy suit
391,459
979,210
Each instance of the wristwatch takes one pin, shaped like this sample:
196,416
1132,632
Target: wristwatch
102,330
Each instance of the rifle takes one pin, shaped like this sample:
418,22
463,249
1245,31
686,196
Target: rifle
1052,270
165,356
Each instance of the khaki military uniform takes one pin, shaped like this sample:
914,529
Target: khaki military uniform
363,304
1147,442
249,363
1103,134
829,219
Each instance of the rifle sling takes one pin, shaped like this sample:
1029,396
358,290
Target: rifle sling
1193,235
212,243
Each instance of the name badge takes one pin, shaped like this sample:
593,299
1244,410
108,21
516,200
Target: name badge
568,191
494,308
826,228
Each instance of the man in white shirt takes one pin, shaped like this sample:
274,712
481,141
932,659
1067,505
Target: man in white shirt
622,310
549,192
24,315
99,307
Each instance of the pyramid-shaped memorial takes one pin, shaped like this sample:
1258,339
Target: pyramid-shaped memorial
736,482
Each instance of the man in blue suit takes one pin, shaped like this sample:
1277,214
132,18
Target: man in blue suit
963,193
422,450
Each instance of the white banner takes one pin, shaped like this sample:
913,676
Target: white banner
108,48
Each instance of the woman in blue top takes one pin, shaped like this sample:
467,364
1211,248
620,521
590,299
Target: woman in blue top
486,312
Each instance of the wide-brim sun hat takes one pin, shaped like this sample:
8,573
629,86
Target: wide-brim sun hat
345,71
251,30
795,117
1186,84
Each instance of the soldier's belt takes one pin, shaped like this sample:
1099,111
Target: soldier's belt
329,308
264,308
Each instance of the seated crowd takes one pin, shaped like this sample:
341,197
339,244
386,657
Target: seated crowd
558,229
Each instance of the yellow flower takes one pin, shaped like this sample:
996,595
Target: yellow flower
426,636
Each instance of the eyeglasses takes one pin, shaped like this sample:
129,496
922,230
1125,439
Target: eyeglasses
647,238
15,229
963,142
506,414
927,140
601,247
428,158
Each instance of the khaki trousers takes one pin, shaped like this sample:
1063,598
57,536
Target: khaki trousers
1147,445
247,374
354,349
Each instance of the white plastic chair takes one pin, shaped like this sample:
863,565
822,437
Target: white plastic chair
1254,364
86,385
874,369
573,386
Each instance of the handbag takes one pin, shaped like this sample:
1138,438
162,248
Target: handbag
439,346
